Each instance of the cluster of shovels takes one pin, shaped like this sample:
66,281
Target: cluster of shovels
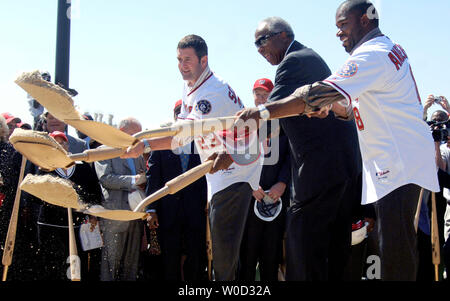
45,152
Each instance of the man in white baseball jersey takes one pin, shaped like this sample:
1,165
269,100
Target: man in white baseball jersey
229,191
376,87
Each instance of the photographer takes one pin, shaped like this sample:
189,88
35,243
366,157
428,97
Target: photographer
443,162
440,100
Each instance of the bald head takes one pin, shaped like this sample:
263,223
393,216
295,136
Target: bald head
360,8
130,125
439,116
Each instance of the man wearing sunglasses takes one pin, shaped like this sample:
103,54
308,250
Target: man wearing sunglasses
324,167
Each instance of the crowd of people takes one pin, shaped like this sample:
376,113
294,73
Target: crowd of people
354,154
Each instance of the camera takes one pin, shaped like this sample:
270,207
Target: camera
437,100
439,130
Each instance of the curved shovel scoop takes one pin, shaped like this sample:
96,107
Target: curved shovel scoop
47,153
41,149
54,98
60,104
59,192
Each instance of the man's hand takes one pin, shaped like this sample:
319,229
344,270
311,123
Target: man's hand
221,161
258,194
371,224
93,221
152,220
444,104
247,114
277,190
140,179
134,151
428,103
322,113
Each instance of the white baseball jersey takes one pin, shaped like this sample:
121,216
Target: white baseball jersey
212,98
396,144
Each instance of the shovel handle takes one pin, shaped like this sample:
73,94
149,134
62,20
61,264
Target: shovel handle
98,154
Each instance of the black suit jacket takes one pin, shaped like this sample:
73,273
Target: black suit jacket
324,152
186,205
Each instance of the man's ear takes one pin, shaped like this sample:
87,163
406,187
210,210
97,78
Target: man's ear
364,21
204,61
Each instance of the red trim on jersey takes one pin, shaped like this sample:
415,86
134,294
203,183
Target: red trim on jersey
209,76
228,133
340,90
415,85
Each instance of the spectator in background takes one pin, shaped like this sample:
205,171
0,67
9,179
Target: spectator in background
12,122
35,108
10,161
442,142
120,178
264,231
52,124
180,217
53,234
439,126
90,143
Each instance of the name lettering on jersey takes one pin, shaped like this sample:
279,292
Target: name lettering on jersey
397,56
203,106
234,97
348,70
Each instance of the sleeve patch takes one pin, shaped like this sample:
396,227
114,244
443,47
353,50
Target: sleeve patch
203,106
348,70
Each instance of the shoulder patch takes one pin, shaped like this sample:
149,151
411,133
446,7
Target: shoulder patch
203,106
348,70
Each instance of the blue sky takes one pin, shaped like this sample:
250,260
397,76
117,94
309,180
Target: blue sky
123,53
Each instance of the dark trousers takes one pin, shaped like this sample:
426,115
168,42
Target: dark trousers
318,234
228,214
263,243
397,236
183,239
53,254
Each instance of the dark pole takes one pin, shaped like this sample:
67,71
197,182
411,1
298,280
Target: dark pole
63,44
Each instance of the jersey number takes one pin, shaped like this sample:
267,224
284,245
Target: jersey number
358,120
209,144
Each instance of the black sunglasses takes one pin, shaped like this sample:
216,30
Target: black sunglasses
263,40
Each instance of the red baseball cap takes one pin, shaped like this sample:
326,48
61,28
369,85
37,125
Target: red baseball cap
8,117
178,103
59,134
263,83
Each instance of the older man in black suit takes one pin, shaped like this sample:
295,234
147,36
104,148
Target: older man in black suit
325,162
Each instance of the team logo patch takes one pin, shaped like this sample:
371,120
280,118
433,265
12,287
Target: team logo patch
203,106
348,70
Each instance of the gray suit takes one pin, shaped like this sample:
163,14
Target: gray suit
76,145
122,240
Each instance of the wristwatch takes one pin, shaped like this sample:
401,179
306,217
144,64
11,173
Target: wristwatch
147,148
263,112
